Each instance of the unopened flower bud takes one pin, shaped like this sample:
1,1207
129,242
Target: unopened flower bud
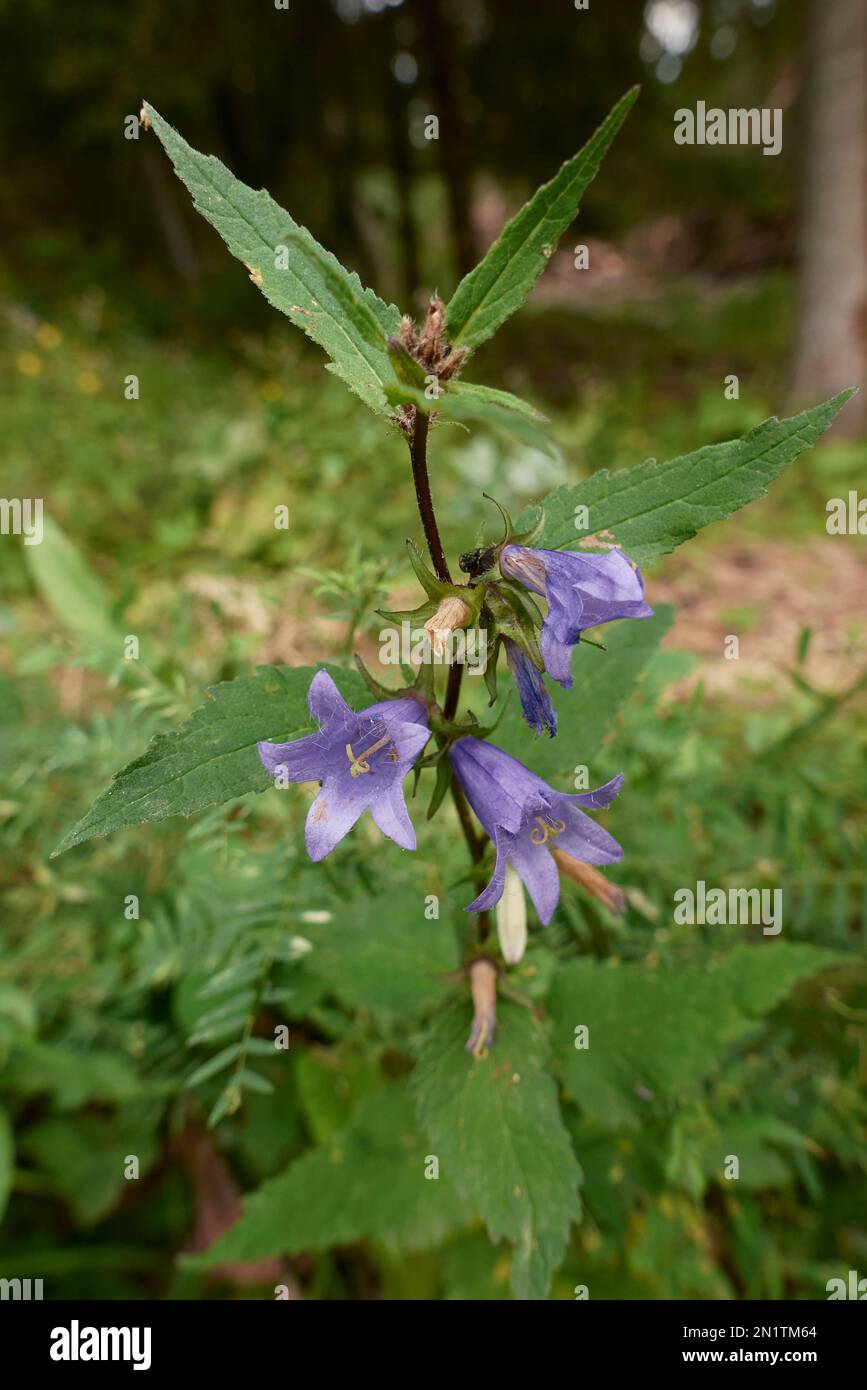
483,987
608,894
451,614
512,918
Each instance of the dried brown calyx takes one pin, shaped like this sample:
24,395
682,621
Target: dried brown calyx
428,344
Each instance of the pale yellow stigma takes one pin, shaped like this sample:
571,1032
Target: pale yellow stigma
548,830
360,764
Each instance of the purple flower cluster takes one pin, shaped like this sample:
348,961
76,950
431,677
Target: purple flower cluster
360,758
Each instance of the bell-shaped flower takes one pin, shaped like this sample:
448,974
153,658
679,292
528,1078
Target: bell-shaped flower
535,700
525,819
360,758
582,591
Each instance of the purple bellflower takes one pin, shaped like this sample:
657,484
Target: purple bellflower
535,700
359,757
582,591
525,818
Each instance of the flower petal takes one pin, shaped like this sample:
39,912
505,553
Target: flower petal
497,786
491,894
600,796
540,874
390,814
300,760
584,839
406,710
325,701
330,818
536,704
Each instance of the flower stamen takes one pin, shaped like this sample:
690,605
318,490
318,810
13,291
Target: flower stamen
548,830
359,764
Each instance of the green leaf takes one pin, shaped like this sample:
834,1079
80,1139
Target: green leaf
650,509
384,956
220,1060
72,1077
470,401
500,283
85,1156
603,683
654,1035
367,1182
495,1125
213,757
464,401
295,273
71,589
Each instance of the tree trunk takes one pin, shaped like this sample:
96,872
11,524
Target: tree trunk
831,350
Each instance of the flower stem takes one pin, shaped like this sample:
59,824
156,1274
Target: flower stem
418,455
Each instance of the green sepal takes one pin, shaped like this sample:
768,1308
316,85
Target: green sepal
513,619
490,671
528,537
508,525
424,683
441,786
523,602
437,589
382,692
405,615
433,587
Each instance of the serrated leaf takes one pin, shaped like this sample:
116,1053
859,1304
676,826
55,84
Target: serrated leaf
213,757
366,1182
655,1034
603,682
384,956
295,273
500,283
650,509
495,1125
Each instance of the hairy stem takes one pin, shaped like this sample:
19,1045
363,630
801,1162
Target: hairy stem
418,455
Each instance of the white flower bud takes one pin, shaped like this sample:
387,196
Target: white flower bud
451,614
512,918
